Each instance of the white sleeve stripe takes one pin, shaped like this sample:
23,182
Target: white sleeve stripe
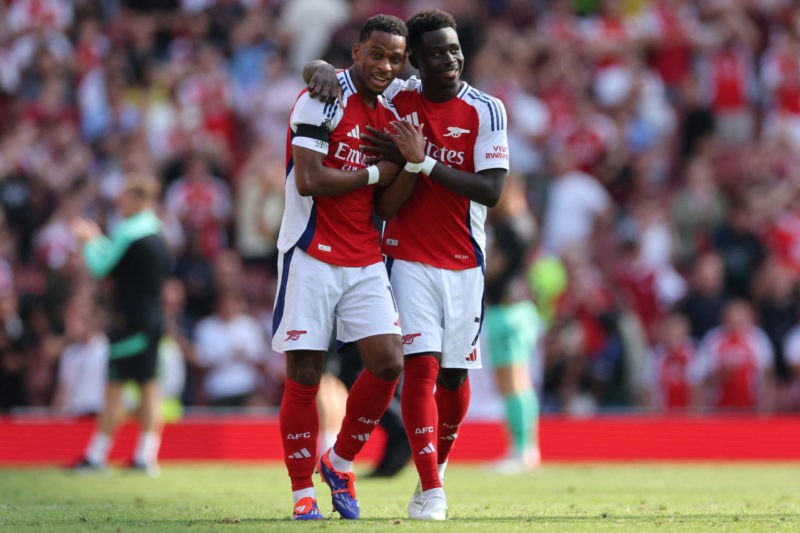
348,81
329,109
495,113
493,106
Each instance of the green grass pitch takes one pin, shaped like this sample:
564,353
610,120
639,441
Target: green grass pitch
558,497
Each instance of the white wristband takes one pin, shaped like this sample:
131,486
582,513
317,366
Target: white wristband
425,166
413,168
373,175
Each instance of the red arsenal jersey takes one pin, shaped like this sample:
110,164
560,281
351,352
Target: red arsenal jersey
436,226
335,229
738,359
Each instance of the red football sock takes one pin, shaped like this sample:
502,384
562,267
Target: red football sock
420,416
299,423
368,399
452,407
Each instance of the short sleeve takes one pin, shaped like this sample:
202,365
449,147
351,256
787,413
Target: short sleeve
312,121
398,85
491,146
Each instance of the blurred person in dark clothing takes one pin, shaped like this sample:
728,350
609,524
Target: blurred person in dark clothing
197,273
788,396
706,296
13,344
740,248
776,297
696,208
513,326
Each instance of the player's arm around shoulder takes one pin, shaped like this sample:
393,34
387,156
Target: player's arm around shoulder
323,83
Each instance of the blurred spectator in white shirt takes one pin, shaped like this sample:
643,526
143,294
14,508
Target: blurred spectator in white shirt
308,25
230,347
83,364
577,206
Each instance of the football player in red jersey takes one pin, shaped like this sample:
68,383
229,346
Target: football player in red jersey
330,268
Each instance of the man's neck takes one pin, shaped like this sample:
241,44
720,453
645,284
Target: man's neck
440,95
369,98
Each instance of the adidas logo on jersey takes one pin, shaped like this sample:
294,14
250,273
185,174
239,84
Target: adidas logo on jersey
355,133
429,448
302,454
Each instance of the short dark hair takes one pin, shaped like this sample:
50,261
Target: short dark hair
425,21
385,23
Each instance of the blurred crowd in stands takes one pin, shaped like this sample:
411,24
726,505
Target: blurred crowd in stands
658,142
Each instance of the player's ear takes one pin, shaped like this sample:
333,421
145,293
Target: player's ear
412,58
355,51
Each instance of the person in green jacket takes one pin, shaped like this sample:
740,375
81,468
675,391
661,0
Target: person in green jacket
135,257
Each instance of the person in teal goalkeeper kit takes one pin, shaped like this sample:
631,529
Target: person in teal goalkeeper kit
513,325
136,258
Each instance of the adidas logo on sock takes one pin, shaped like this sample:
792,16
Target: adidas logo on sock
363,437
429,448
451,436
302,454
355,132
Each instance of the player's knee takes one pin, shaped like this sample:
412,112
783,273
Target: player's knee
383,356
304,367
388,369
304,372
305,375
452,378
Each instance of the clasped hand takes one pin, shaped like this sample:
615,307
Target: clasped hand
403,143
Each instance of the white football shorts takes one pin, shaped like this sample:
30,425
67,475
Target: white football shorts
441,311
311,293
